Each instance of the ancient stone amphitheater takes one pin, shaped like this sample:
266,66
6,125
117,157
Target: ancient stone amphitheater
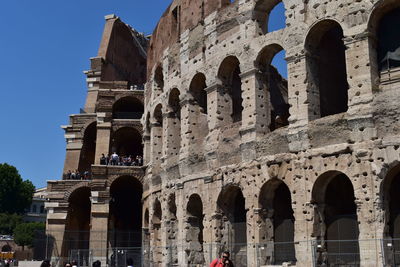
303,171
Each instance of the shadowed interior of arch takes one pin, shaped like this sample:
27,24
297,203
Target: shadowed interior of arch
326,70
125,219
128,108
126,142
88,151
77,227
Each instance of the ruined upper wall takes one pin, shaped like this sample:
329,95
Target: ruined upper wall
123,51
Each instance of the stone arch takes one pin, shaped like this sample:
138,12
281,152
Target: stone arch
195,227
68,193
126,141
277,225
6,248
77,225
326,70
231,205
88,151
390,194
229,75
125,212
275,85
335,219
197,90
262,12
128,107
384,25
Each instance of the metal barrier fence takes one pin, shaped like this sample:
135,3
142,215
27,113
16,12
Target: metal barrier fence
116,253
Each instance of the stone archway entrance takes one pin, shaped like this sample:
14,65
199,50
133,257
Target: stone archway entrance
231,205
125,221
77,227
336,222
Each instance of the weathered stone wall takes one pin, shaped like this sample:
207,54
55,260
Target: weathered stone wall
218,155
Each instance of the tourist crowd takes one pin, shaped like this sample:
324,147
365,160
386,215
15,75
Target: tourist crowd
116,160
76,175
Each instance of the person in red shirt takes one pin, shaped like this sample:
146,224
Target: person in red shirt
224,261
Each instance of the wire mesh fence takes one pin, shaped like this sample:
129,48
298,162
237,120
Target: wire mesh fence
135,248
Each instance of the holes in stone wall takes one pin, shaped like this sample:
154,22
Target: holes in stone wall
229,75
336,224
326,70
88,150
128,108
158,80
175,126
272,65
157,239
157,132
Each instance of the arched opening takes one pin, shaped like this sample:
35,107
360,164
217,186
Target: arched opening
277,223
127,142
125,216
77,226
229,75
391,201
157,241
385,54
270,16
231,205
336,222
158,80
194,234
88,150
326,70
157,133
175,125
273,71
197,90
129,108
6,248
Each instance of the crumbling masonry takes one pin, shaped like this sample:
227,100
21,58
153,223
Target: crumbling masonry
300,171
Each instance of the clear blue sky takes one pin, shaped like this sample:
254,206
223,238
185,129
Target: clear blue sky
45,46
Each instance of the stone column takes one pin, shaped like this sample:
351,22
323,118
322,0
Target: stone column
219,106
103,139
146,148
172,134
55,229
301,103
256,115
156,147
99,229
361,86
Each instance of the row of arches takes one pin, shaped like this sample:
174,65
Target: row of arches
336,222
327,74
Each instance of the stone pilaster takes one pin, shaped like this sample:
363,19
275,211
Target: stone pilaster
99,228
102,140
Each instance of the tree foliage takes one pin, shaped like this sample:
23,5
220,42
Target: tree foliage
8,222
24,233
15,194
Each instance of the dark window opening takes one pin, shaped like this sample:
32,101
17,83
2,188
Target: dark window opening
197,90
88,150
125,217
127,142
159,79
128,108
389,40
326,69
